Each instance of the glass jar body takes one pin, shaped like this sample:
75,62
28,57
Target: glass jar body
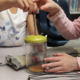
36,52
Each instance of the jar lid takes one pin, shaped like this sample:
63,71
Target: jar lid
35,39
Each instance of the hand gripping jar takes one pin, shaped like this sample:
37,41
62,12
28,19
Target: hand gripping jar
36,47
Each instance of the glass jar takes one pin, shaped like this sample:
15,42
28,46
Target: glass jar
36,47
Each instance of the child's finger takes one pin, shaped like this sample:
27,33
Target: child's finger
55,70
35,8
52,64
31,6
26,8
39,0
52,59
19,4
35,0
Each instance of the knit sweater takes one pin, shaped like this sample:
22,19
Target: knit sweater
68,29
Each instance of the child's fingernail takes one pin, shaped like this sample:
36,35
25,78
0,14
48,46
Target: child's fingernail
34,11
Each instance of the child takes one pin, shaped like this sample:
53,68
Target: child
15,25
70,30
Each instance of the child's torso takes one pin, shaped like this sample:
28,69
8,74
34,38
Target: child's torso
13,27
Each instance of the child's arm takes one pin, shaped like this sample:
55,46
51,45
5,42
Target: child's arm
25,5
67,28
30,25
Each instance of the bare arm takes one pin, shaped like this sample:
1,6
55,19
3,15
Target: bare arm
30,25
5,4
25,5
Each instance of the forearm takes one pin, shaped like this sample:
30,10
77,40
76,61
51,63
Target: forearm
5,4
30,25
67,28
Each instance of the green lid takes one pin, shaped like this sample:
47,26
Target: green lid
35,39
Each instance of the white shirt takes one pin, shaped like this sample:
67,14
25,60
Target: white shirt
13,28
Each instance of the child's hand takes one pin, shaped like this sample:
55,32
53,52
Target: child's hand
26,5
62,63
48,5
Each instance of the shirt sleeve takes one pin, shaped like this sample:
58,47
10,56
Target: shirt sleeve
78,60
67,28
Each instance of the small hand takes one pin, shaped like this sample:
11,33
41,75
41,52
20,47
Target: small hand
62,63
25,5
48,5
